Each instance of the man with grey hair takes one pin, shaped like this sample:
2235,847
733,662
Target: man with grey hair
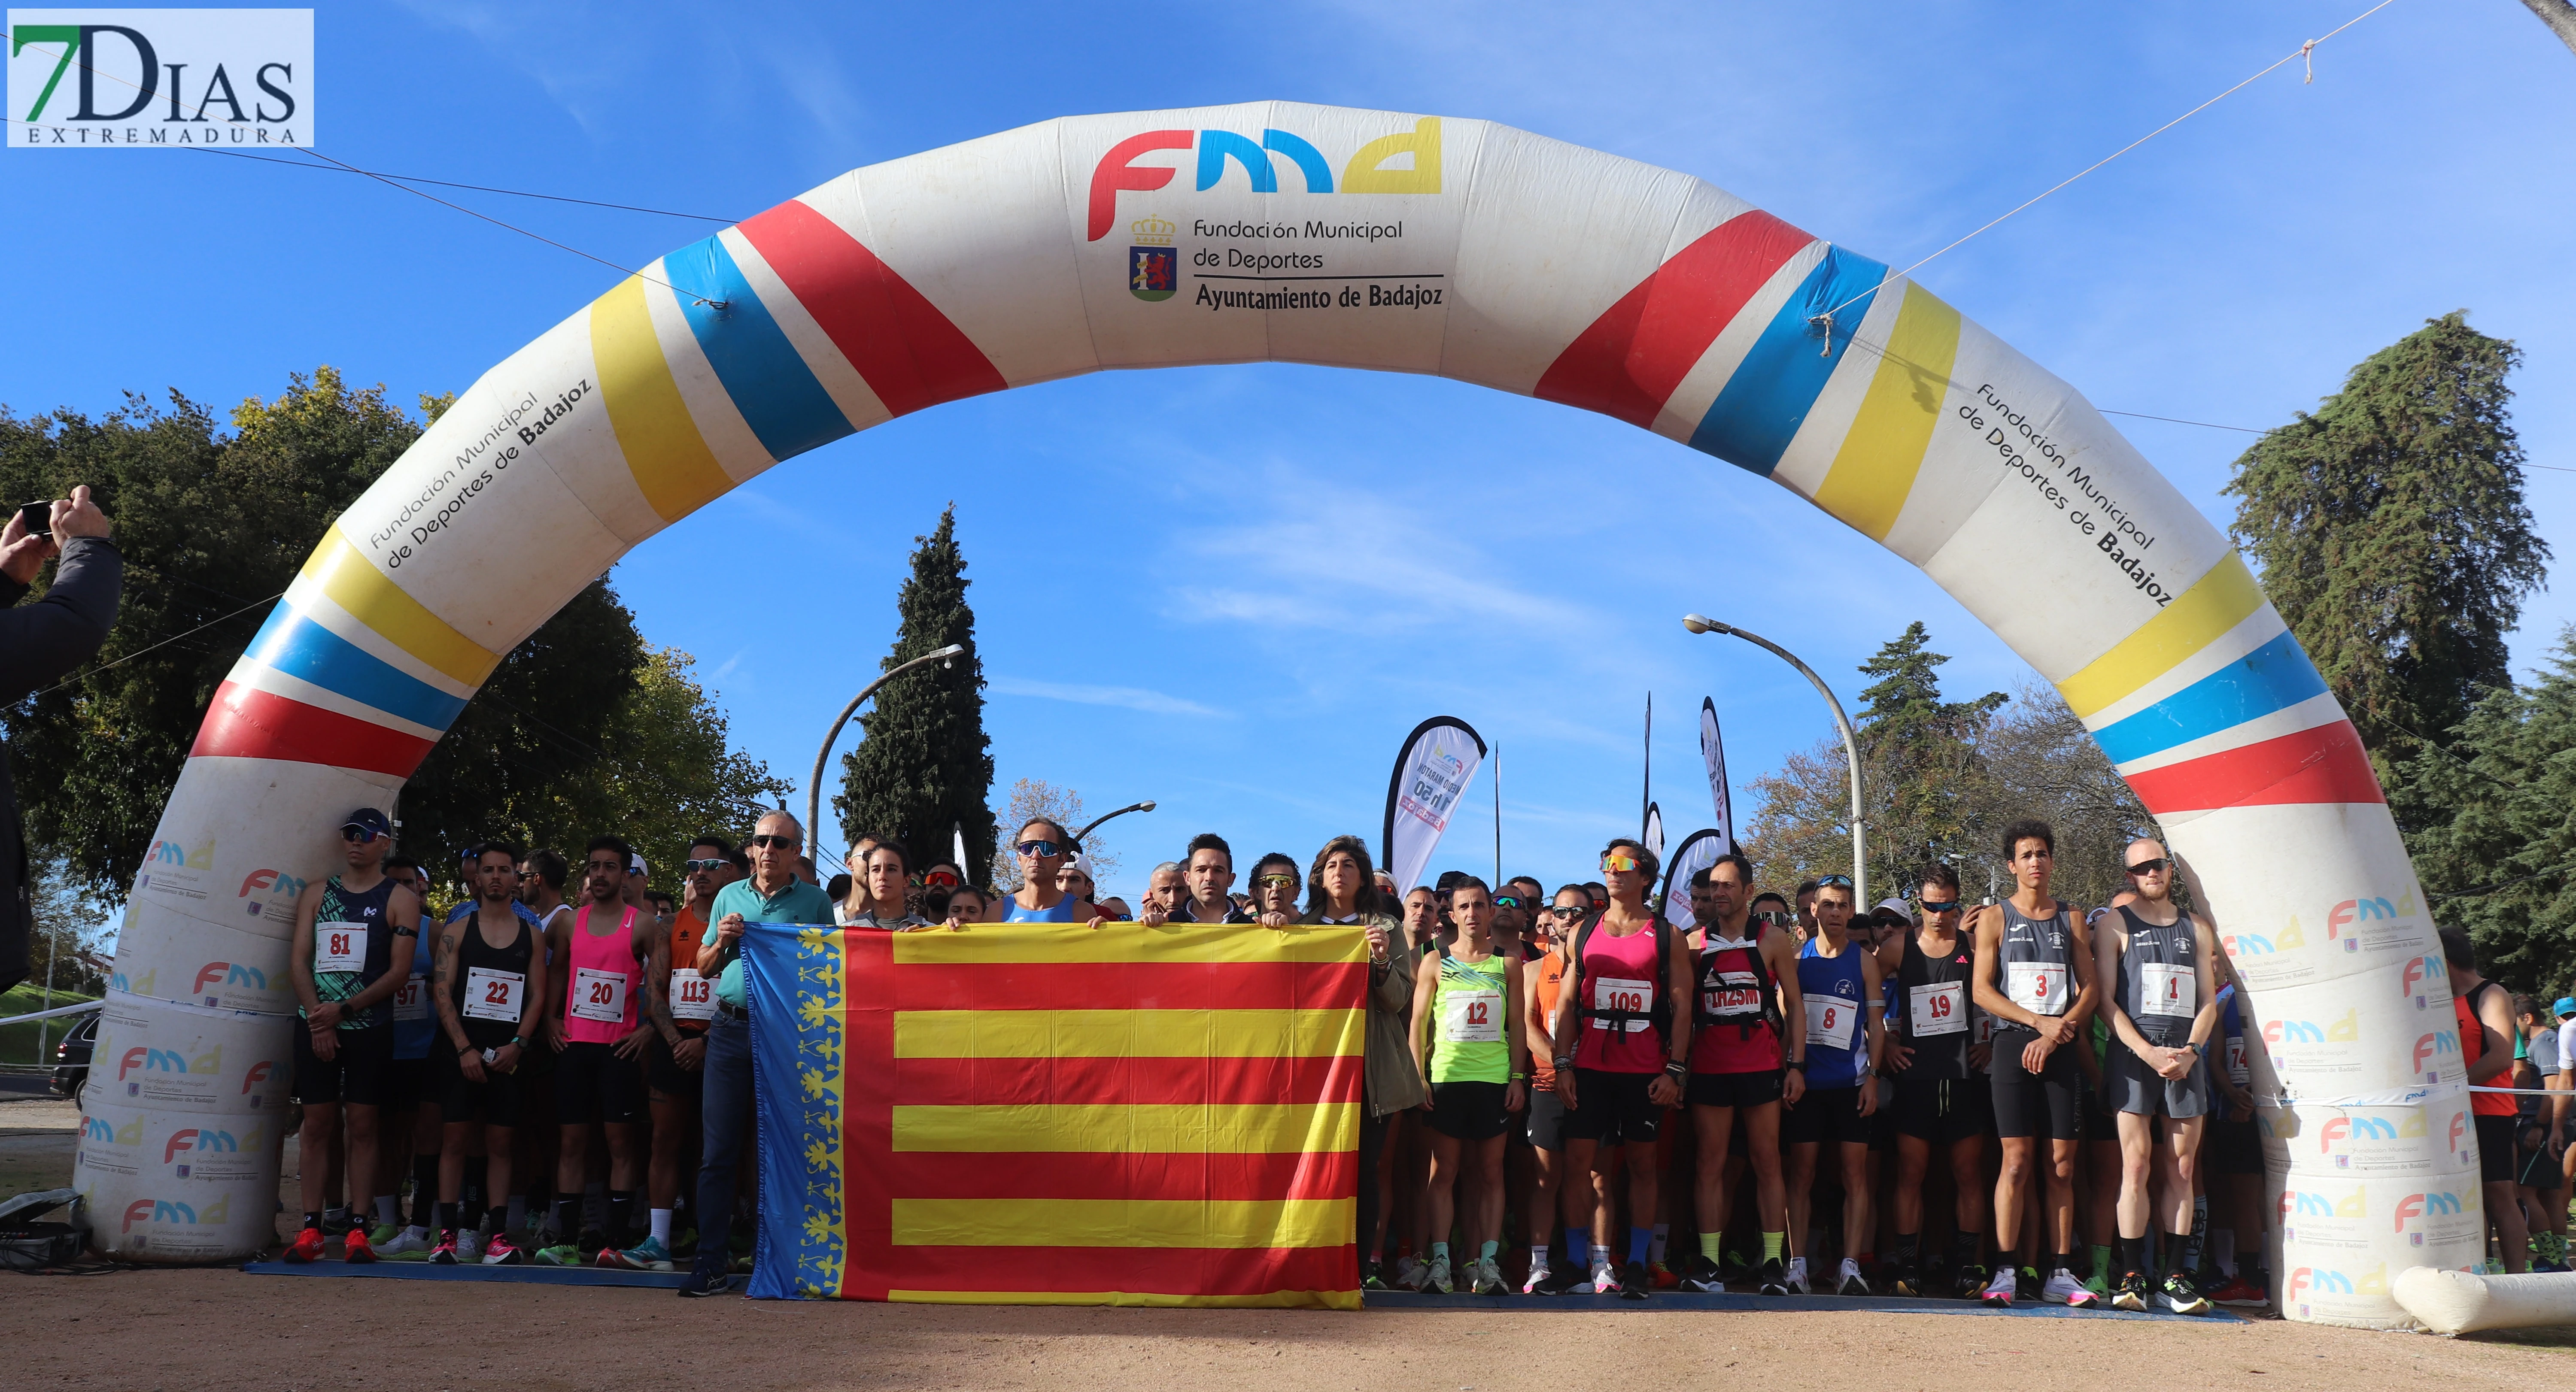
1167,888
773,894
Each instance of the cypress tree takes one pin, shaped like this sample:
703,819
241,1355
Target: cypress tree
1919,755
925,766
2392,535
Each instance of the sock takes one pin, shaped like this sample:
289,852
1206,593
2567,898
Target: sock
442,1214
2101,1262
2177,1253
1600,1257
1906,1245
518,1213
1712,1246
312,1219
2133,1255
2060,1261
2222,1247
1772,1242
661,1218
424,1188
1578,1245
1656,1245
2199,1242
387,1209
621,1213
562,1223
594,1205
1439,1253
478,1169
1639,1239
1538,1260
1486,1252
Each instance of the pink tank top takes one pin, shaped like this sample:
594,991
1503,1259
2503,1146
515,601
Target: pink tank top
601,982
1619,974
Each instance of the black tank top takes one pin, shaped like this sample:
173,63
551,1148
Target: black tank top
2038,962
1936,1009
2162,1008
500,963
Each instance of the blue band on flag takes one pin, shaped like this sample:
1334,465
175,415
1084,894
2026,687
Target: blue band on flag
294,644
761,370
2273,677
1759,410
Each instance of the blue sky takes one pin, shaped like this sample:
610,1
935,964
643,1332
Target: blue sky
1235,589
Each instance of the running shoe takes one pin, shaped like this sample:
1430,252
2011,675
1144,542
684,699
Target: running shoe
381,1234
306,1247
1733,1267
469,1244
705,1283
1437,1279
1796,1283
561,1254
1604,1282
1662,1276
2129,1292
499,1250
2181,1296
1634,1282
1774,1277
2029,1285
408,1244
648,1255
1852,1282
1905,1279
1969,1282
1703,1275
355,1248
339,1226
1372,1277
1558,1283
2243,1292
444,1252
2063,1289
1537,1284
1489,1278
1409,1273
1999,1292
2100,1286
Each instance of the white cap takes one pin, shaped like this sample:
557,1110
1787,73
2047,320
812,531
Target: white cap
635,865
1897,907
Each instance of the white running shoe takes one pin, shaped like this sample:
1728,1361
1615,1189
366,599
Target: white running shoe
1438,1279
1797,1276
2064,1289
1487,1278
411,1244
1409,1274
469,1244
1604,1282
1849,1281
1538,1274
2000,1291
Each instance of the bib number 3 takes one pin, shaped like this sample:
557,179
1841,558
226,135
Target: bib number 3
2038,987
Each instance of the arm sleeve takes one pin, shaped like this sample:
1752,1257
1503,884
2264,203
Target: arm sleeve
41,642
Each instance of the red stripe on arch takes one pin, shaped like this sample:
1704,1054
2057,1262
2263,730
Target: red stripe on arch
1124,1082
909,352
1632,359
247,723
1328,1174
2323,764
1130,985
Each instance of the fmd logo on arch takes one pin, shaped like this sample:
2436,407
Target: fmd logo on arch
95,79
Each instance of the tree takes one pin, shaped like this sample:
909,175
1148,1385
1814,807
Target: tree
1919,757
2496,845
2039,761
2392,534
925,768
1035,797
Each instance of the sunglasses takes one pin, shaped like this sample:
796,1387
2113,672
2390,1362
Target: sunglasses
1277,881
1777,918
940,877
1569,912
1618,864
1842,880
695,866
1507,901
1043,850
1939,906
2149,867
784,843
357,835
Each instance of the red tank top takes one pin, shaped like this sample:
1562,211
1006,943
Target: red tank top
2473,1045
601,981
1737,1039
1619,974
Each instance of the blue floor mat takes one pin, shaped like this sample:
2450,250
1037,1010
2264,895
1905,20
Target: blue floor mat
1692,1300
513,1275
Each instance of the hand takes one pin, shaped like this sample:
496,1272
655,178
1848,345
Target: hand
2034,1055
469,1061
77,516
1664,1091
729,929
2176,1063
2241,1111
1565,1085
1981,1056
22,552
1793,1086
2054,1029
690,1053
555,1033
1153,914
326,1044
1378,941
1516,1097
1899,1057
631,1048
1098,921
1868,1096
506,1058
325,1016
1276,918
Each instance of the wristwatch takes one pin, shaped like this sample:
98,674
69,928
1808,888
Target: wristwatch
1799,1064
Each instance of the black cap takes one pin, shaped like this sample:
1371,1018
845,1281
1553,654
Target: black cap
368,819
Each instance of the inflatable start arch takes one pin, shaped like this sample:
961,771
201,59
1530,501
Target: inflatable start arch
1277,231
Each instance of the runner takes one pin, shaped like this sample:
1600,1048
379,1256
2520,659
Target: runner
1838,984
2162,1009
1940,1099
2034,974
2485,1014
607,952
1621,1054
1467,1041
1748,984
2537,1179
2234,1160
674,1067
409,1123
340,960
1041,847
488,983
1543,1126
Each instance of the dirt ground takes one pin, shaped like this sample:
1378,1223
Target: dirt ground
199,1330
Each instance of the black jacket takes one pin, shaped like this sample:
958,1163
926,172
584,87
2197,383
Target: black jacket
39,645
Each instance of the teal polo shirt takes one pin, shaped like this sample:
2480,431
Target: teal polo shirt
799,902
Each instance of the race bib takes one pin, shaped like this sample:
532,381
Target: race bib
2239,1071
412,1001
1829,1022
599,996
1938,1009
339,947
2038,987
1471,1017
1985,1028
2165,989
492,995
693,997
1624,994
1730,994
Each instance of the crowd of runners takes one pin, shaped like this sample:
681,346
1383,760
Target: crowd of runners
2008,1101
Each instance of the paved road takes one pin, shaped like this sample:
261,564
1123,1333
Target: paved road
26,1084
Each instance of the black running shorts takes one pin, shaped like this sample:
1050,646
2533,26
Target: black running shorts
2030,1104
496,1101
1827,1114
1544,1124
1612,1108
2495,1148
358,1073
1944,1111
664,1074
1734,1089
1468,1111
593,1084
408,1083
2234,1147
2141,1091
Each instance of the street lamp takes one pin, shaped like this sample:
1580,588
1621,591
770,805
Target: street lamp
1146,806
1701,623
814,786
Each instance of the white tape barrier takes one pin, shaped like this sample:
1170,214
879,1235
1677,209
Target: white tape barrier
81,1009
2457,1302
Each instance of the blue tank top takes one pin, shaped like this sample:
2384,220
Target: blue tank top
1837,1016
1061,913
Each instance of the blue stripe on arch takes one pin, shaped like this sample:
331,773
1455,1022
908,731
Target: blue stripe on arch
305,650
763,373
1759,410
2273,677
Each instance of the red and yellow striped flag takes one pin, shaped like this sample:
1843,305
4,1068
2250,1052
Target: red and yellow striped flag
1048,1114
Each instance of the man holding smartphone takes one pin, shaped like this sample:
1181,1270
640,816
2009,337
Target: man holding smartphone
39,644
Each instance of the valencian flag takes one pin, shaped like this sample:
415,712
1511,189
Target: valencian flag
1049,1114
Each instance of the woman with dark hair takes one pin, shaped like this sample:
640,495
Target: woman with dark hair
888,871
1344,891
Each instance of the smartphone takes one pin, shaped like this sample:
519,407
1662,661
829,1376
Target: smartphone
38,519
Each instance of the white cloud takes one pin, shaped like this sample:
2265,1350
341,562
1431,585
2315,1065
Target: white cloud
1131,697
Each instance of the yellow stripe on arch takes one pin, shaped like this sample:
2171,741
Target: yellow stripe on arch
1242,1128
372,598
663,449
1873,472
2218,601
1233,1223
1185,1034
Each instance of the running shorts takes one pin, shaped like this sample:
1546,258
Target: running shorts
1733,1089
1544,1125
2495,1148
1944,1111
1468,1111
593,1084
1826,1114
2234,1148
664,1074
408,1083
1612,1108
495,1101
2538,1168
359,1071
2034,1104
2141,1091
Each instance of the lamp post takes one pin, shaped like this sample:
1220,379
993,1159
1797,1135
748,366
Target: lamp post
1146,806
814,786
1701,623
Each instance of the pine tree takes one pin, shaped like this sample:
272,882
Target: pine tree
1919,758
2392,534
925,767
